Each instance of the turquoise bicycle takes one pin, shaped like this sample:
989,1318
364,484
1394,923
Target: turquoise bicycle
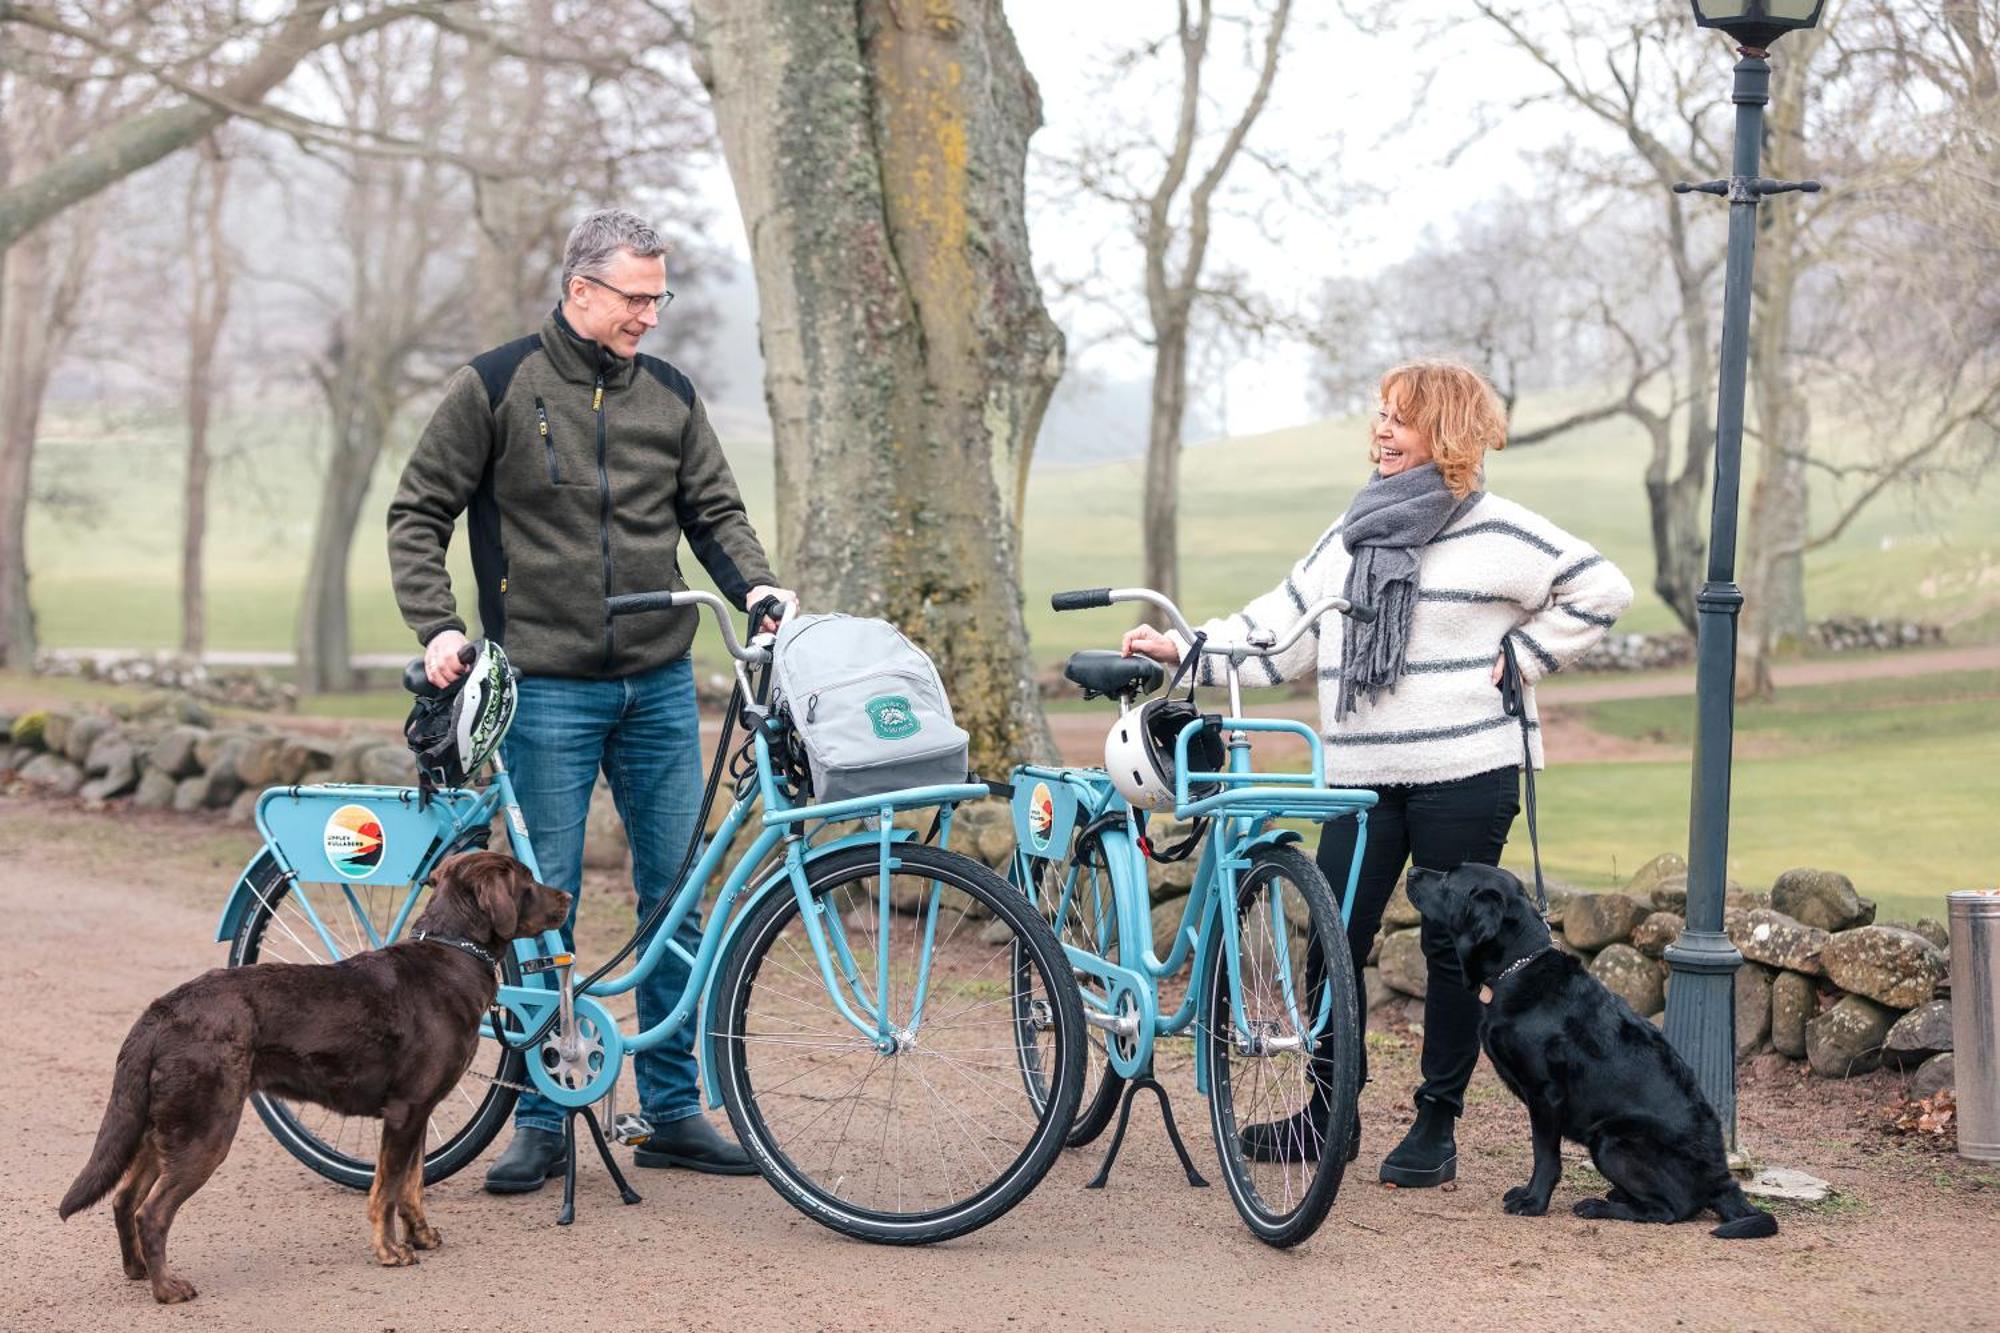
1258,970
853,992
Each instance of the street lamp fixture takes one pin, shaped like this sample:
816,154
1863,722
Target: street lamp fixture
1701,1002
1757,23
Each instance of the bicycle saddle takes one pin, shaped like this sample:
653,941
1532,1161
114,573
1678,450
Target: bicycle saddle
1101,671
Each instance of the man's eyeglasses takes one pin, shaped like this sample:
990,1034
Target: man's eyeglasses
635,302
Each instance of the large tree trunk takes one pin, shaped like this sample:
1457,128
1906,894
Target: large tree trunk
878,152
1162,569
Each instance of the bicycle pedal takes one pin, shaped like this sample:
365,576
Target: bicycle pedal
630,1129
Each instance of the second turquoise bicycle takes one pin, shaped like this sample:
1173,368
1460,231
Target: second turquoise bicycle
1257,971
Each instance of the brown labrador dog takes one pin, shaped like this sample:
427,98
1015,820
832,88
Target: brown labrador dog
386,1033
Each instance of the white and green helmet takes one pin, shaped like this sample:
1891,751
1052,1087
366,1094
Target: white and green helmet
454,734
485,706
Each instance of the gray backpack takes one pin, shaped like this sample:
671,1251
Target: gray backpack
867,706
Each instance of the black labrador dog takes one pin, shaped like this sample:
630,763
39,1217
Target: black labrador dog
1586,1066
385,1033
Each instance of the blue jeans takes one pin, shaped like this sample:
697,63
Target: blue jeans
644,732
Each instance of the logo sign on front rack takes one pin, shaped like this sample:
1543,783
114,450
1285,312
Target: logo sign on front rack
354,841
1044,818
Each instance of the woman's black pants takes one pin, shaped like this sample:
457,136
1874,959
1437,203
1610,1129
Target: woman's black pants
1437,825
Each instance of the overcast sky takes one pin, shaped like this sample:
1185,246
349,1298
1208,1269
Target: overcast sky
1344,101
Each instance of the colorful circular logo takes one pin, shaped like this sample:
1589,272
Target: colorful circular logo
353,841
1041,816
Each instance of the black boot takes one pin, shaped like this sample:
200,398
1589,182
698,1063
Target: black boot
1293,1139
692,1142
1428,1154
533,1157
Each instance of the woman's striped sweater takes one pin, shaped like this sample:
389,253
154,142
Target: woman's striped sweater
1498,569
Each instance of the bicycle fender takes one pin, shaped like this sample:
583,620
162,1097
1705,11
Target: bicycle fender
1277,837
243,896
711,990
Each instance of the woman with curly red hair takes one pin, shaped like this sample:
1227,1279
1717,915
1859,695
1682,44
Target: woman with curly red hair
1408,702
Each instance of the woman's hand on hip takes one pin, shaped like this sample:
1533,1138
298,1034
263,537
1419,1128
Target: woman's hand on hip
1145,641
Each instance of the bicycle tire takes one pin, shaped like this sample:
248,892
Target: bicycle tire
311,1145
1102,1085
1331,1071
735,1037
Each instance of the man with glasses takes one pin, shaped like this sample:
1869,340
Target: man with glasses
581,464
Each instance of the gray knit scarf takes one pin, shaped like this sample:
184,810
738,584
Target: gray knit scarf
1390,520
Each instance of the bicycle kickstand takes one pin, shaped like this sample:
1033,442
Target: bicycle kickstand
625,1190
1194,1177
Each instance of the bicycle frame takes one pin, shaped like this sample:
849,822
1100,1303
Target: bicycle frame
453,818
1247,804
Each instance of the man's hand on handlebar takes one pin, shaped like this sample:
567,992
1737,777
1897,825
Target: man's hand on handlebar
1145,641
442,662
769,624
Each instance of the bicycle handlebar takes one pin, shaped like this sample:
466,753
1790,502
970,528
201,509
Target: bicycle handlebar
633,603
1081,598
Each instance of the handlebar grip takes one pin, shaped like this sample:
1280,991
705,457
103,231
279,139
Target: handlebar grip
629,603
1364,614
1080,599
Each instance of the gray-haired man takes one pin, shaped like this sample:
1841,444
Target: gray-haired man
583,463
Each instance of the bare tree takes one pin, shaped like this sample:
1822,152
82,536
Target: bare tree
1654,84
133,136
878,151
497,144
211,275
402,280
1168,181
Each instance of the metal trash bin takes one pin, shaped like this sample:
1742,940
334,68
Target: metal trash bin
1975,1019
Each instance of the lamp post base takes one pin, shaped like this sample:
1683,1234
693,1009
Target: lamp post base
1701,1017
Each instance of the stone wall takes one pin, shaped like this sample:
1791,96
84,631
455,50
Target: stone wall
1822,981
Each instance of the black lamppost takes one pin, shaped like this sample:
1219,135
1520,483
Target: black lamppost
1701,1005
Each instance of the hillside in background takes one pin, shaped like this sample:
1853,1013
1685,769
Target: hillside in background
104,534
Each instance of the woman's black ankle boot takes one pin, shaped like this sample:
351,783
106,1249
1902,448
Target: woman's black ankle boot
1428,1154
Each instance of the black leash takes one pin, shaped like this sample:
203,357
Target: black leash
1514,699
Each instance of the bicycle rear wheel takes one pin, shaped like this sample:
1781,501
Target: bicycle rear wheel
277,929
925,1134
1074,896
1282,1098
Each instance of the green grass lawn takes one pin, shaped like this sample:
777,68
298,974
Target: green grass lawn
104,562
1891,782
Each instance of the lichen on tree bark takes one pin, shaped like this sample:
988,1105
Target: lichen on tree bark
878,153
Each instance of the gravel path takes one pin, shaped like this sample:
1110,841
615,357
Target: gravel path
107,914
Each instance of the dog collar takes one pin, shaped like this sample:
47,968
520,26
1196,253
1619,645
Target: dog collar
1521,962
1486,991
464,946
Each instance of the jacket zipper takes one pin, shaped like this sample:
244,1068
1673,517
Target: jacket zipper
548,441
604,521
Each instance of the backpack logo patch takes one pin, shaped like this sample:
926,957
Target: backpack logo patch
891,717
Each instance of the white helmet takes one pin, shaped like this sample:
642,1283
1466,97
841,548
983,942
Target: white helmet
1139,753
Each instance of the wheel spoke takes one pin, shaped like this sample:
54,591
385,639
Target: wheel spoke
931,1118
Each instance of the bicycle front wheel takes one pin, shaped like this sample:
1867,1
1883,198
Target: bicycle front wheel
346,919
1282,1042
917,1130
